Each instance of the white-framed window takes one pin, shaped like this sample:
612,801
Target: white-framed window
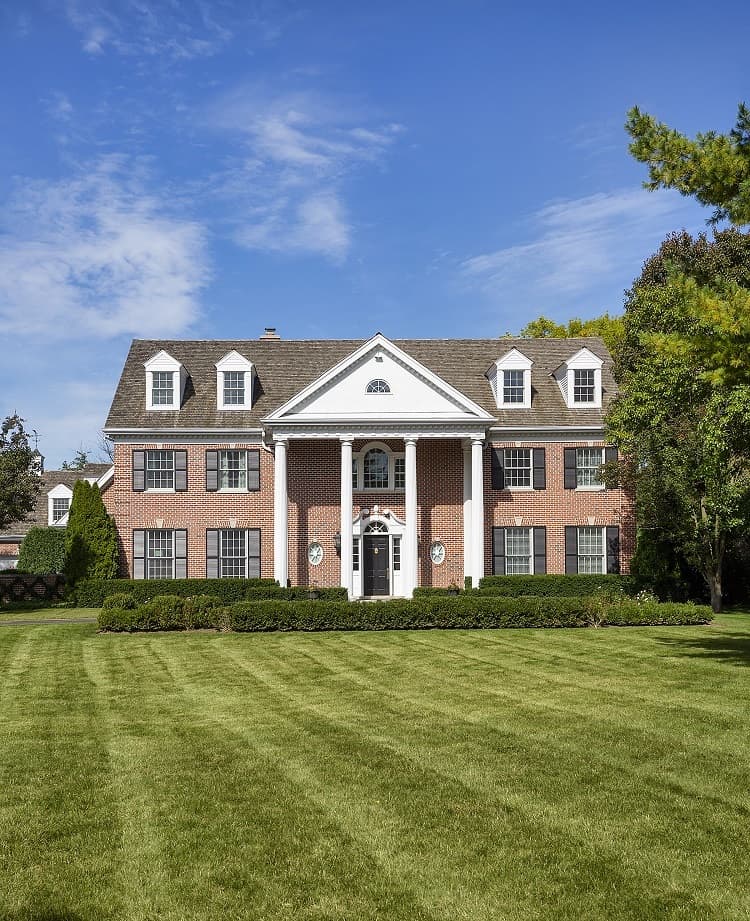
519,552
378,386
355,554
234,388
584,385
396,553
588,464
355,473
511,380
517,468
233,470
60,508
159,547
399,473
513,386
233,553
160,470
162,388
376,468
592,556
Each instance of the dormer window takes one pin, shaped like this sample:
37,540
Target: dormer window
58,505
580,380
165,382
378,386
234,382
510,378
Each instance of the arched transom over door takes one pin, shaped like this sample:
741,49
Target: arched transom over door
376,560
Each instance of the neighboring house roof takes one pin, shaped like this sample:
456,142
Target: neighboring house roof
285,367
38,518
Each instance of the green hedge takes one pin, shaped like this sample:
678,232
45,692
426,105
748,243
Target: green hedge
91,593
42,551
548,586
463,612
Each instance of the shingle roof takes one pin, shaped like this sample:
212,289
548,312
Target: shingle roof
284,367
39,517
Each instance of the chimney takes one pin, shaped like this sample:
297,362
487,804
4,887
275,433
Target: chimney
270,333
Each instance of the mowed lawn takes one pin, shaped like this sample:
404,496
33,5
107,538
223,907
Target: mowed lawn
577,774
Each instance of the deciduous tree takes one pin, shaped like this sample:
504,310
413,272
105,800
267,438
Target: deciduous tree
20,471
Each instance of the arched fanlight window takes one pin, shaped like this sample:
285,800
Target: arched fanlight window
376,527
376,469
378,386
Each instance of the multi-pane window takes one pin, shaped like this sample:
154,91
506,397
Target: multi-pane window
518,551
591,558
355,554
162,388
583,385
60,508
233,470
513,387
159,550
588,463
396,553
378,386
234,388
232,554
355,473
399,473
159,469
376,469
517,467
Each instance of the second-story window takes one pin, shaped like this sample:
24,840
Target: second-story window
588,464
162,388
233,470
376,469
583,386
159,469
234,388
517,464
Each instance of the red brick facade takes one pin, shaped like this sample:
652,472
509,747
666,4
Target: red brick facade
314,499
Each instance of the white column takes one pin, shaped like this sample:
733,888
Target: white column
467,509
346,515
410,536
477,512
280,515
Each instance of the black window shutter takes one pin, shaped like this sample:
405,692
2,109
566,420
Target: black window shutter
253,553
253,471
139,554
540,468
540,551
570,468
180,471
139,471
212,553
212,471
180,554
571,549
498,551
613,549
498,474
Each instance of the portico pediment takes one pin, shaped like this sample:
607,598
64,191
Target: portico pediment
379,383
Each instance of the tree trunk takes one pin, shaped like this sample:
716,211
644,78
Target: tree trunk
714,584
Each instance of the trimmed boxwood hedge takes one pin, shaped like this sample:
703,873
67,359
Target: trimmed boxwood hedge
548,586
463,612
91,593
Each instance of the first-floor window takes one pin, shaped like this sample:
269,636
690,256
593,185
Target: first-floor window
518,552
60,508
160,554
591,553
233,553
396,554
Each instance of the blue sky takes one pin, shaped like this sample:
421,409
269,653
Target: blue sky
203,169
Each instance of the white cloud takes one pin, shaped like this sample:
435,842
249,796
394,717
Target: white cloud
97,255
585,248
300,148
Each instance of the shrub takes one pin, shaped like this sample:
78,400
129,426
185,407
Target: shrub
91,593
42,551
201,611
90,537
547,586
125,601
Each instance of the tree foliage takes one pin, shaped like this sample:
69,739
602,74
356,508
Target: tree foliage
713,168
43,551
684,428
79,461
90,537
20,472
609,328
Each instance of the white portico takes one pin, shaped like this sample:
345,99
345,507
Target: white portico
377,396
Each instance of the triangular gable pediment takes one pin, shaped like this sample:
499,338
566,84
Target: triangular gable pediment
415,393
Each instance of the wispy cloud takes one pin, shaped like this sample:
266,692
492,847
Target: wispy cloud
581,249
299,150
98,255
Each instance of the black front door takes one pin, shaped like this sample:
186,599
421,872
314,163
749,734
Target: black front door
376,565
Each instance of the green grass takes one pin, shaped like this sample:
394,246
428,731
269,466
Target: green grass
25,614
560,774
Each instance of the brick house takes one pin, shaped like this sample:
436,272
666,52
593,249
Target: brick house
51,508
378,465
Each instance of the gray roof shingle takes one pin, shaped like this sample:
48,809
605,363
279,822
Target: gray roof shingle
284,367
